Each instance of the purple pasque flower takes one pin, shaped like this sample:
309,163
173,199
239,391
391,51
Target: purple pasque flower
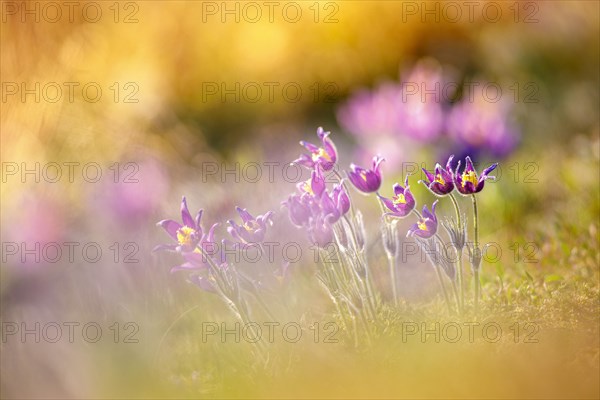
440,182
252,230
188,235
299,209
341,198
468,182
320,231
402,203
484,125
325,156
366,180
426,227
315,185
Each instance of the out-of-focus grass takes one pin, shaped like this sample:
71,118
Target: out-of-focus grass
554,301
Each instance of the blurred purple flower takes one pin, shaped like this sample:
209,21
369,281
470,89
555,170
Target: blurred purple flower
426,227
127,201
299,209
252,230
325,156
468,182
320,231
412,109
366,180
482,124
440,182
402,203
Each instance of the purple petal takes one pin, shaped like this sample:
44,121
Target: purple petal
244,214
398,189
309,146
429,175
186,217
488,170
449,163
170,226
198,220
166,247
469,165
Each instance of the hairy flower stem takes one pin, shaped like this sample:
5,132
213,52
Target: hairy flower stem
391,258
459,265
437,271
476,252
443,286
366,283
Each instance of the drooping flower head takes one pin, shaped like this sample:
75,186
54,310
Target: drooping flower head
366,180
299,209
441,181
341,198
402,203
315,185
468,182
324,156
320,231
252,230
426,227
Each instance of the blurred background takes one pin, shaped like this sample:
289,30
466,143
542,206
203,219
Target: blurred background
111,111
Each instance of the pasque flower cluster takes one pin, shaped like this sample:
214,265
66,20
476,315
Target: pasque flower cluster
327,214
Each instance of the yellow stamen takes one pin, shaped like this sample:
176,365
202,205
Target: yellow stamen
308,187
252,226
439,179
400,199
470,176
363,175
184,235
321,153
421,224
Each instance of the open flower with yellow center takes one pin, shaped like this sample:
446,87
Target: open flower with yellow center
187,235
366,180
324,156
190,239
252,230
402,203
441,181
426,227
468,182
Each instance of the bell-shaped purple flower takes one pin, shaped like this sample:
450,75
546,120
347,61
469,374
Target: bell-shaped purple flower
252,230
402,203
320,231
468,182
341,198
325,156
299,209
366,180
427,225
441,181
